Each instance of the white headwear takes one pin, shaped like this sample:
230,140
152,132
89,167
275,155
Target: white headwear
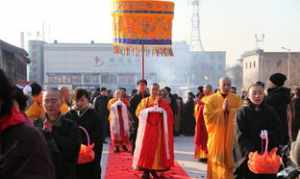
27,90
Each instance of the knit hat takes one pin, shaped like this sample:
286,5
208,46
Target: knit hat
278,79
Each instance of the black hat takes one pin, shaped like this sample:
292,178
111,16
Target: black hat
142,81
278,79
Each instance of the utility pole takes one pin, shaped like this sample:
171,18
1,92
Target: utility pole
259,41
288,64
196,43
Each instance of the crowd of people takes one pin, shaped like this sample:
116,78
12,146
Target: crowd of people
43,131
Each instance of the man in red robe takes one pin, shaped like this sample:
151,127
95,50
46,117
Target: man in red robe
200,128
119,121
154,150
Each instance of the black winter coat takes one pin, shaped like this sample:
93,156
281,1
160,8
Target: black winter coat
250,122
93,123
133,104
100,105
173,103
28,157
279,98
188,119
134,122
64,144
295,105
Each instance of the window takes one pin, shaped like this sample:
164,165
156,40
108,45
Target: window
91,78
254,64
245,65
126,79
250,65
76,79
108,78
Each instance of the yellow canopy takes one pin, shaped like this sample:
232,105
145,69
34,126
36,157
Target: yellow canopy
138,23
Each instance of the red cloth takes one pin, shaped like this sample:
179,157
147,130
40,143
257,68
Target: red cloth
14,118
200,128
116,169
124,137
151,142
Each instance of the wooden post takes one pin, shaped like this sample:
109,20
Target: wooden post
143,63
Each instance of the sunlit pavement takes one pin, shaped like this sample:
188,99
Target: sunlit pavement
184,155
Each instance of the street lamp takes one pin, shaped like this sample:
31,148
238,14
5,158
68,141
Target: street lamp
288,63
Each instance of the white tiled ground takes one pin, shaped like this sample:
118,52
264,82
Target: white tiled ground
104,159
184,155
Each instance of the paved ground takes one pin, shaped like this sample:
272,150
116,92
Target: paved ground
184,155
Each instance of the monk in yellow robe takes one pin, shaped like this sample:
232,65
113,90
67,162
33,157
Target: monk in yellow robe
64,108
219,115
66,100
200,138
119,121
154,150
35,110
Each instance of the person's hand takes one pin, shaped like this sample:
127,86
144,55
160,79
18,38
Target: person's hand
156,100
225,105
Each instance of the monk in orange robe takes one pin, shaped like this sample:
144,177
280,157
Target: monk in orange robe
154,150
35,110
119,121
66,100
200,139
219,115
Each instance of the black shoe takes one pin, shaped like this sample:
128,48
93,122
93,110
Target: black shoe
203,160
154,174
125,148
146,175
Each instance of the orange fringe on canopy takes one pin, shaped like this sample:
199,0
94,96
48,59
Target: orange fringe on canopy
136,50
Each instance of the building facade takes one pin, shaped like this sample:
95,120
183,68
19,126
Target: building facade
259,66
208,67
13,60
235,72
36,51
91,65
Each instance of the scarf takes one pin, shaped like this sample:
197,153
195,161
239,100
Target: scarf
14,118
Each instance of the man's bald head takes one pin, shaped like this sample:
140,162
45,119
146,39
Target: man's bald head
52,101
207,89
53,91
155,88
118,93
65,94
225,85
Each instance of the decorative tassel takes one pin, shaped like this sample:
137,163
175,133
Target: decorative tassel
132,50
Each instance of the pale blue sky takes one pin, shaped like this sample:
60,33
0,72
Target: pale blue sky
227,25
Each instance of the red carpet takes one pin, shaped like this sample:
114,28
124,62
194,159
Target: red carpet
119,167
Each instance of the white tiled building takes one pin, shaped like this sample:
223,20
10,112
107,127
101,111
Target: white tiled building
92,65
259,66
